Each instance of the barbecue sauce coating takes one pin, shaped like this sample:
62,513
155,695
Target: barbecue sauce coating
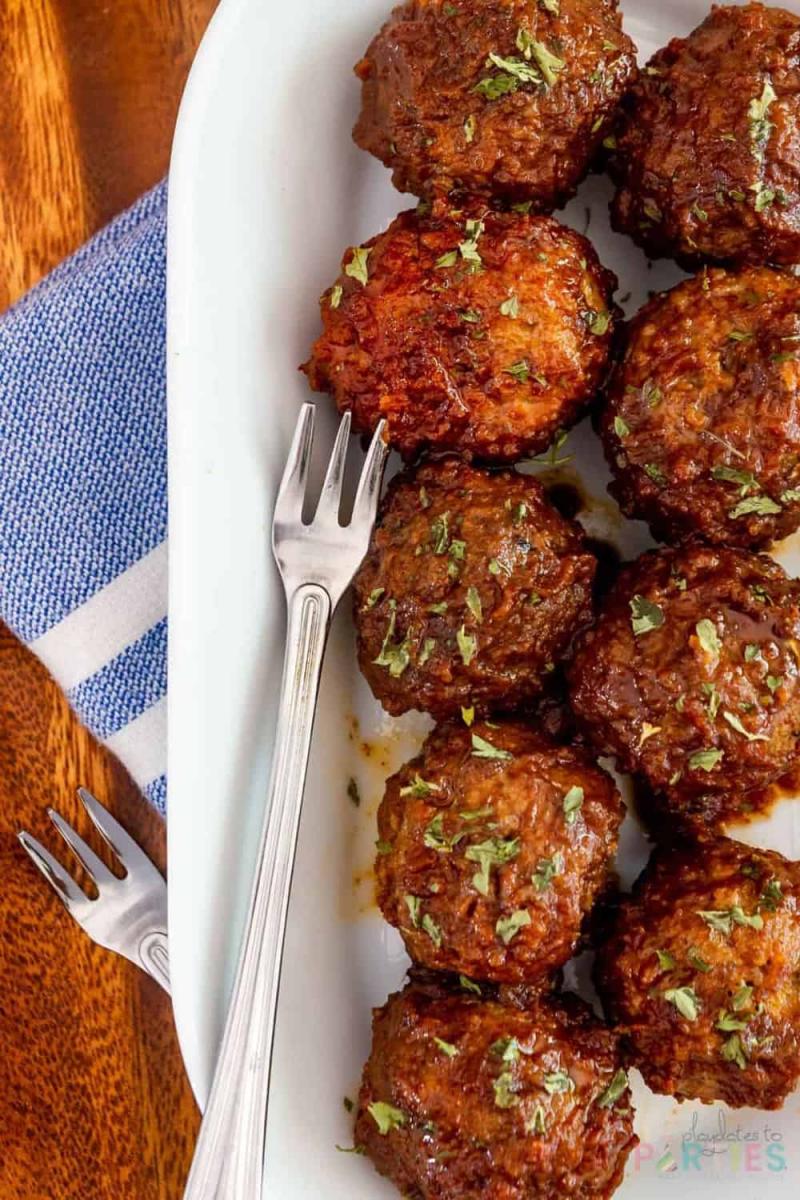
494,844
702,423
708,153
468,330
471,591
508,1103
442,115
701,974
690,675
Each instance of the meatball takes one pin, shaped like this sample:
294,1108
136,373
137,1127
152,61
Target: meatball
468,330
494,844
471,590
465,1098
700,972
707,158
690,676
702,424
496,97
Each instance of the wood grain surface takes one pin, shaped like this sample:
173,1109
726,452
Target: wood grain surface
93,1099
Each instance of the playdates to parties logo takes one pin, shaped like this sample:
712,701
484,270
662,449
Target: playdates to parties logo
723,1149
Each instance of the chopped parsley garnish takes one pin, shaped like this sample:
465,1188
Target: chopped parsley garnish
745,480
597,322
742,997
549,64
384,847
336,295
447,260
468,249
751,652
507,928
558,1081
510,307
760,125
520,371
665,960
467,645
469,985
477,814
474,603
470,126
506,1048
696,960
685,1000
551,6
435,839
386,1117
791,495
503,1090
723,920
447,1048
483,749
467,715
621,428
413,904
763,506
572,804
494,86
655,473
546,871
733,1051
728,1023
432,929
372,599
428,646
645,615
705,760
358,267
612,1093
735,723
493,852
707,637
537,1123
772,895
393,655
353,793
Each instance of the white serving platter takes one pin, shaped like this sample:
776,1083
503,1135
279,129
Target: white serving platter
266,190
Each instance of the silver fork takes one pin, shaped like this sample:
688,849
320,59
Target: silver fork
129,915
317,562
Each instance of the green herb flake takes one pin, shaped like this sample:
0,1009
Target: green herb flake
645,615
520,371
762,506
494,852
413,904
790,496
383,847
621,428
386,1117
336,295
609,1097
432,929
655,473
733,1051
546,871
551,6
723,920
597,322
760,125
510,307
745,480
483,749
358,267
474,603
468,985
468,249
665,960
742,997
428,647
504,1090
696,960
772,896
735,723
447,260
537,1123
728,1023
708,638
610,142
572,804
507,928
394,656
558,1081
447,1048
467,645
685,1000
705,760
470,125
372,599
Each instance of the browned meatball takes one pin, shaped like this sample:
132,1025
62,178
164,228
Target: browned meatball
494,844
702,425
701,973
471,590
469,1099
708,159
498,97
468,330
690,676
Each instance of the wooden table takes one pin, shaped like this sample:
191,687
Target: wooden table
94,1103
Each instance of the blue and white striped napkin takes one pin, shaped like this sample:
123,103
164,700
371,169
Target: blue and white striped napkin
83,474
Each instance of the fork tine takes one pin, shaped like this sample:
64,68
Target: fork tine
369,487
62,884
95,868
331,494
291,493
129,853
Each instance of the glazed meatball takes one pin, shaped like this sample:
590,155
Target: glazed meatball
496,97
690,676
472,589
494,844
701,974
702,424
707,159
468,330
464,1098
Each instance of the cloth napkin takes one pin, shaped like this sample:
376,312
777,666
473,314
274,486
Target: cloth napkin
83,474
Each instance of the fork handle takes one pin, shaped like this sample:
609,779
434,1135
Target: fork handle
229,1157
